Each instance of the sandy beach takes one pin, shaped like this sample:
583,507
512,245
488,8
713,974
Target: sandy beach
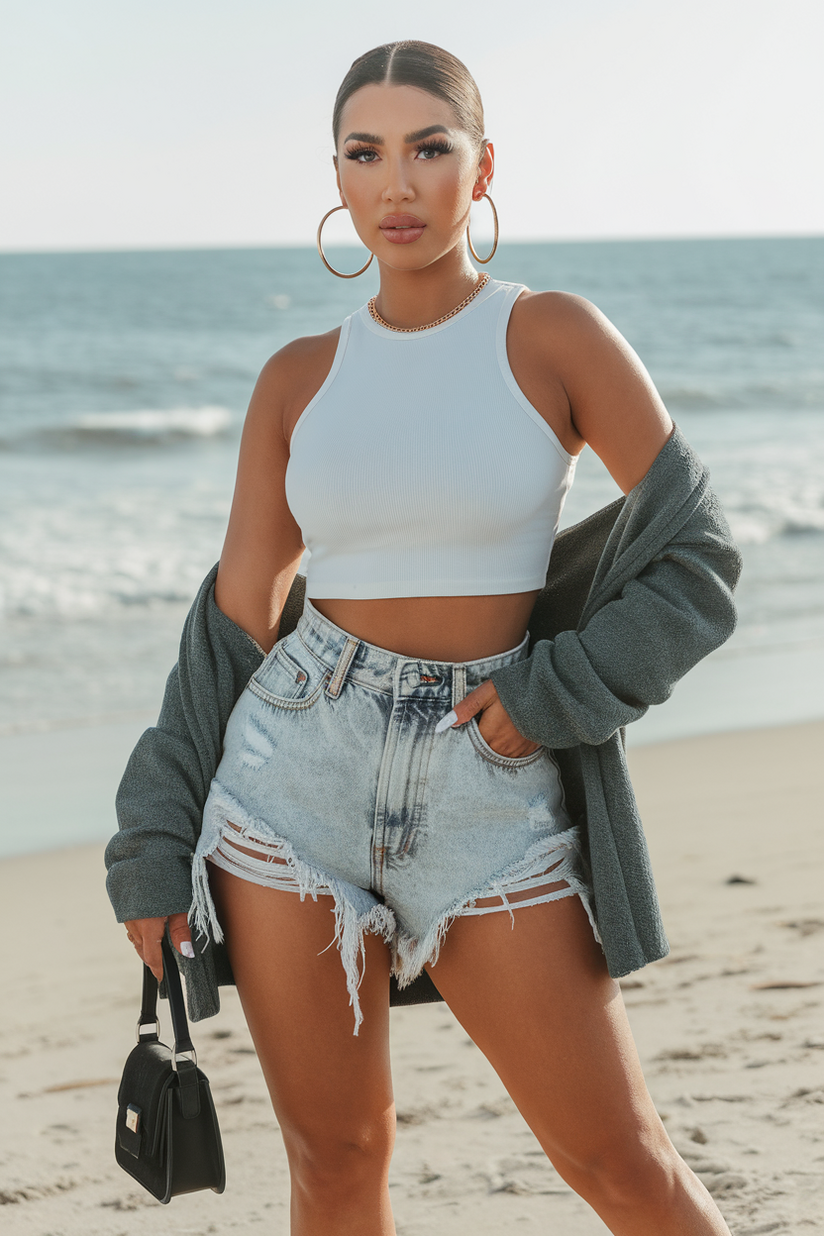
729,1027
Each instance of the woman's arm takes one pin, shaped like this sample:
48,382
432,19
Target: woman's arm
263,544
601,393
161,795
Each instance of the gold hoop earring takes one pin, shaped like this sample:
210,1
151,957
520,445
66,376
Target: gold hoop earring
339,274
483,261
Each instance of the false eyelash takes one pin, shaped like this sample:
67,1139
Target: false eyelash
440,144
357,151
435,143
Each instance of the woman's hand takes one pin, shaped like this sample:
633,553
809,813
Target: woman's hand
494,723
146,934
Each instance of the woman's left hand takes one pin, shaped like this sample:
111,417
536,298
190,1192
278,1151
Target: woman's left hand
494,722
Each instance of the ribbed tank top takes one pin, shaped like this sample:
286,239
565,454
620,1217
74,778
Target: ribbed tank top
421,469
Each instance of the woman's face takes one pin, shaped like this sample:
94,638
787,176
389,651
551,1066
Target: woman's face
407,173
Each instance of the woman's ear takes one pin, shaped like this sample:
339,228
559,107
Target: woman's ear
486,169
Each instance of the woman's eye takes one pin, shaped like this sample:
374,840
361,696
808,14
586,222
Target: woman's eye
362,156
432,149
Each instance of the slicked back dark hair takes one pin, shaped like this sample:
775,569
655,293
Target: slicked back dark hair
425,66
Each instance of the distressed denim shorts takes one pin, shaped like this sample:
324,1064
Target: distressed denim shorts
334,782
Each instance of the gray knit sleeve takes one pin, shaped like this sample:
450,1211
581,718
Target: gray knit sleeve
634,642
161,796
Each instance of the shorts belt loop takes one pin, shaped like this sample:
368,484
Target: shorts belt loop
458,684
344,661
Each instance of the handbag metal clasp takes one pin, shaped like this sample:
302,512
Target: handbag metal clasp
141,1024
184,1055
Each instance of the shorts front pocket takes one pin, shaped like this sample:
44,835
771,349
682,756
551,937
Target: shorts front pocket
285,681
494,757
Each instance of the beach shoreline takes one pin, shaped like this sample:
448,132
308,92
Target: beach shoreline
728,1027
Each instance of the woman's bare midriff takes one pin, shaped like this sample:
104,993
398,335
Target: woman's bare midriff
435,628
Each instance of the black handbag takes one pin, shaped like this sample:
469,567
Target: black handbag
167,1134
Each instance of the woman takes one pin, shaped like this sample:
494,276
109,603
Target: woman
423,451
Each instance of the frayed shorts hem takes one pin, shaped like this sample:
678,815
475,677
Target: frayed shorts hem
272,862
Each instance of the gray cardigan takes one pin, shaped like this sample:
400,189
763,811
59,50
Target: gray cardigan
635,596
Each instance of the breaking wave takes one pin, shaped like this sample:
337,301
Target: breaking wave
142,427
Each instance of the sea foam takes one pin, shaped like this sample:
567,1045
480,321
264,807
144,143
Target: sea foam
142,426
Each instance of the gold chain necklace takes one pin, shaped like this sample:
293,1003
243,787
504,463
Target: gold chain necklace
409,330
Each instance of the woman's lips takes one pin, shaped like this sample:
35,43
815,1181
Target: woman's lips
402,229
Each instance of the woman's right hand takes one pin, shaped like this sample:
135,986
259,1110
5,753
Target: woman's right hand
146,934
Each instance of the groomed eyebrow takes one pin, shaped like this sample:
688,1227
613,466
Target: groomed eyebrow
372,140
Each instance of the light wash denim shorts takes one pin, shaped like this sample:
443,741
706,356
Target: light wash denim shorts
334,782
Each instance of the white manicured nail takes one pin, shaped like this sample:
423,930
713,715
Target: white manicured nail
186,948
446,722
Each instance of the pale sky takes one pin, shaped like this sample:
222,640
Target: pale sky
156,123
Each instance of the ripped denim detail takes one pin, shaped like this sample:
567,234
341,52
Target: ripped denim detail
274,864
552,860
238,843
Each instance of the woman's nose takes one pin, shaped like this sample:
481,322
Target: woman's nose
398,187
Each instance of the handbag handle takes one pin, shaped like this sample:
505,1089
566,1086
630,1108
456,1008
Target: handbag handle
148,1008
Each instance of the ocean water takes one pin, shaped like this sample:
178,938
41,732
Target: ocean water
123,382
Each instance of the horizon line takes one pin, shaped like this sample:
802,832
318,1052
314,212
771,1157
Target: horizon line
260,246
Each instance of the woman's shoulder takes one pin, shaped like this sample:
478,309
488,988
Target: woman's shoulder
300,357
613,403
292,377
571,335
559,315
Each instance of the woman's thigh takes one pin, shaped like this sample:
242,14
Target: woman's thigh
326,1083
537,999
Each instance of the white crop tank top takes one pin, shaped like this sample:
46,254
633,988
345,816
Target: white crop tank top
421,469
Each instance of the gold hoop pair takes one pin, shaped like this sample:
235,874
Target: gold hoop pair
354,275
